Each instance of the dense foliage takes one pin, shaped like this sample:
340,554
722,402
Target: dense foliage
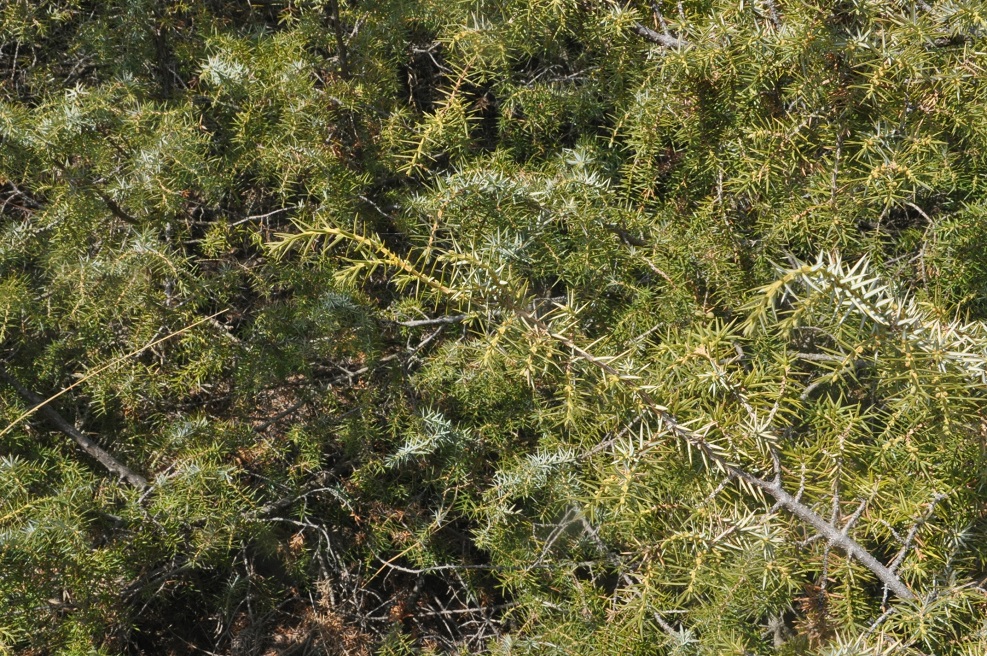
521,326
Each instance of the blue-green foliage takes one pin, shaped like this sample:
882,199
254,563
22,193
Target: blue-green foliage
541,326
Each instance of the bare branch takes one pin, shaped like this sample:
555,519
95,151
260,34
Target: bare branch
493,568
91,448
852,520
115,208
830,532
454,318
656,37
913,531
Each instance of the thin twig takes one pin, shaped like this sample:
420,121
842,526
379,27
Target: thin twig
910,538
492,568
255,217
99,370
453,318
